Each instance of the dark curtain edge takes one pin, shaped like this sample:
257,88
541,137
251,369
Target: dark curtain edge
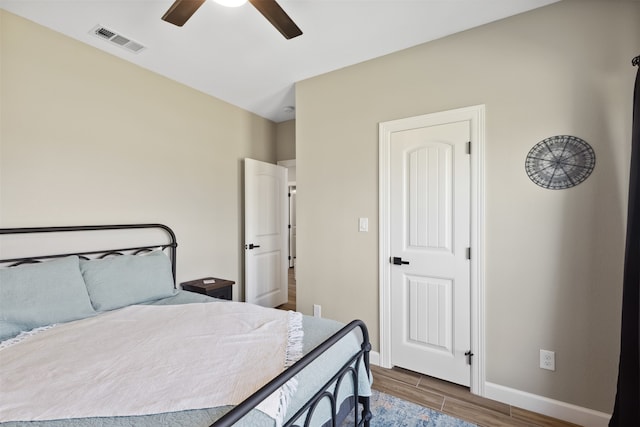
626,411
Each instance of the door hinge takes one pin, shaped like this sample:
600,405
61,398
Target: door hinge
289,257
289,226
469,147
469,355
468,253
288,194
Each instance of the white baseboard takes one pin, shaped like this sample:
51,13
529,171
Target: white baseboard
543,405
374,358
532,402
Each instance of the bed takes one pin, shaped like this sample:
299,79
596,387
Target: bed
103,337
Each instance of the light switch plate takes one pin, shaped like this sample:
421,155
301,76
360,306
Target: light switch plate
363,224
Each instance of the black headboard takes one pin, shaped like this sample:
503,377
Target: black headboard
170,242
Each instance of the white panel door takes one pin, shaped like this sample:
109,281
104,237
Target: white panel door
430,235
266,233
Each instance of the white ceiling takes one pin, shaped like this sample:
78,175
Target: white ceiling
236,55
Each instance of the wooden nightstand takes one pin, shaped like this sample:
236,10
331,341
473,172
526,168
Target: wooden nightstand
212,286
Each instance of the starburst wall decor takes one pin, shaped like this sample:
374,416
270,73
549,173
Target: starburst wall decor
561,161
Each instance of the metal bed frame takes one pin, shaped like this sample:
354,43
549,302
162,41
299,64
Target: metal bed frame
329,391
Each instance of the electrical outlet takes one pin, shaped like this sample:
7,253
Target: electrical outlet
317,310
548,360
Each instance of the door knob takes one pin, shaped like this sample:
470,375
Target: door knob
252,246
398,261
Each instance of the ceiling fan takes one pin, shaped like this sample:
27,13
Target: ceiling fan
181,10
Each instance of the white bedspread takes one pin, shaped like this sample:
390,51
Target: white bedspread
149,359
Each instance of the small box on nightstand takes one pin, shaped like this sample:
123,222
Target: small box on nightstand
212,286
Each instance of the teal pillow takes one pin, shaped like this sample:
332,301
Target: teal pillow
127,279
10,329
34,295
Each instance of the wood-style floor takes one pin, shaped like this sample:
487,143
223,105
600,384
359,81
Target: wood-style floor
446,397
291,304
456,400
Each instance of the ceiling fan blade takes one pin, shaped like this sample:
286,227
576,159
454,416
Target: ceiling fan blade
181,10
278,17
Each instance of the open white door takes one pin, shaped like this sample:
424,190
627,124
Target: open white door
265,233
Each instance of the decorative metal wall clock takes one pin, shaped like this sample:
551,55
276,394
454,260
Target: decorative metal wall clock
560,161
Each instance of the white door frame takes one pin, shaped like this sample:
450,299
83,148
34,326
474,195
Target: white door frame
291,179
476,116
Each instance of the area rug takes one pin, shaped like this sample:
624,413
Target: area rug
391,411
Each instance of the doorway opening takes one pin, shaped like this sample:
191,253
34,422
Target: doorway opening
292,224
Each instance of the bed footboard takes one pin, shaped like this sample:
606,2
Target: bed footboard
328,391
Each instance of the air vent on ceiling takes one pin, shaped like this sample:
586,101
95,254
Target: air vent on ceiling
117,39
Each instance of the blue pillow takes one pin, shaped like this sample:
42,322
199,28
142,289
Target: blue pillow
11,329
127,279
34,295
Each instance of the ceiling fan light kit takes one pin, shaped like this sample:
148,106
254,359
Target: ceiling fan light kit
181,10
231,3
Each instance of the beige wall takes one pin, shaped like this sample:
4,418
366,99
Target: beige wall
286,140
89,138
553,258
